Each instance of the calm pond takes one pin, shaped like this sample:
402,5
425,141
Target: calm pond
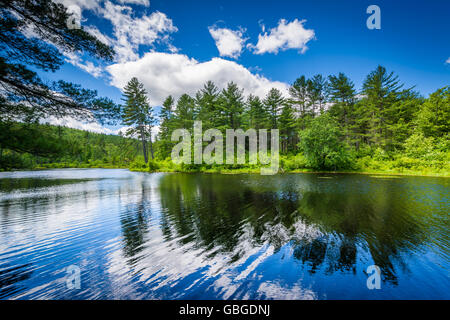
205,236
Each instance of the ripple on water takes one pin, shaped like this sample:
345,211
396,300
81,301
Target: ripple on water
193,236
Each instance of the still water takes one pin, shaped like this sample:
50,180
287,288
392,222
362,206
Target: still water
205,236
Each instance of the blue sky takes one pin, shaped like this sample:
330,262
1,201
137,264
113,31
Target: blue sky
175,46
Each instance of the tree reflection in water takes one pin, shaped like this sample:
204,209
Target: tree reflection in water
328,223
200,236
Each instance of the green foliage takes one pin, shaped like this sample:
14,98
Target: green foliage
418,146
299,100
433,118
286,125
376,132
318,88
24,96
232,106
322,145
138,115
68,148
341,89
273,103
165,126
258,117
324,122
293,162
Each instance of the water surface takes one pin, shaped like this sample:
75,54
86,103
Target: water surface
205,236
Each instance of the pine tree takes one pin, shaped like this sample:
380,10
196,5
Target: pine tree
342,89
382,91
184,112
343,98
433,118
318,89
299,100
232,106
286,124
273,103
208,105
21,57
258,117
138,114
165,125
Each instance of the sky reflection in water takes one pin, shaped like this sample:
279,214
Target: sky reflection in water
204,236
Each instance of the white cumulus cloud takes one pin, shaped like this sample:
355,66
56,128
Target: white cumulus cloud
83,4
138,2
228,42
130,32
77,124
448,61
292,35
165,74
87,66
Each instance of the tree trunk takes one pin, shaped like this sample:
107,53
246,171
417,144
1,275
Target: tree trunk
151,147
144,145
144,149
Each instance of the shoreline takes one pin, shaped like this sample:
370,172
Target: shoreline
380,173
254,171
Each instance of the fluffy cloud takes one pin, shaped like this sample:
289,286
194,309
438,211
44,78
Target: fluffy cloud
130,32
285,36
123,131
138,2
87,66
95,4
92,126
228,42
448,61
166,74
81,125
83,4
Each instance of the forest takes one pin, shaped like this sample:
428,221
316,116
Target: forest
325,122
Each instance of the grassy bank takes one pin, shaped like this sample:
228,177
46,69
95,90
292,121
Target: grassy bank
297,164
388,168
67,165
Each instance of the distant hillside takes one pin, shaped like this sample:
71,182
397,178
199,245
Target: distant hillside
66,147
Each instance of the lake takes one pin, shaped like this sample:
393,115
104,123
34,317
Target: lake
210,236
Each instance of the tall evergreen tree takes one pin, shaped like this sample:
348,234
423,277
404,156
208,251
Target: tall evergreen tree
433,118
208,105
382,91
342,89
318,89
165,125
273,103
258,117
343,98
185,112
286,124
138,114
232,106
299,100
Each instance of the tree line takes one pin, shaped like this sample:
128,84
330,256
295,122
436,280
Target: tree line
325,118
